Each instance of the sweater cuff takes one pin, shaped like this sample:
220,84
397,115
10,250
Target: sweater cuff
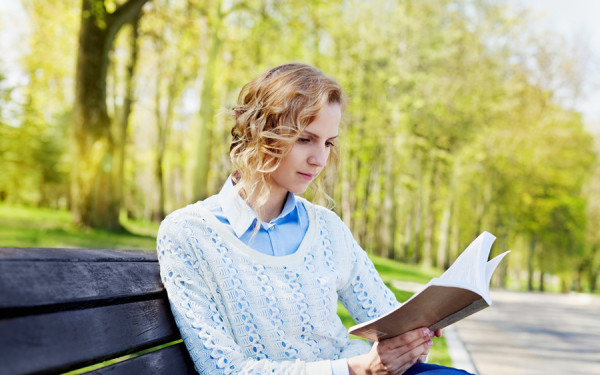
340,367
318,368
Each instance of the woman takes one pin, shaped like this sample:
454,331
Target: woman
254,273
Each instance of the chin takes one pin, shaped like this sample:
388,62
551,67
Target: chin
299,190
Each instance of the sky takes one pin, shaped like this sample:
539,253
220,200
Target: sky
12,32
577,20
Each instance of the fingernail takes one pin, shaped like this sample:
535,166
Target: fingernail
429,343
431,333
426,332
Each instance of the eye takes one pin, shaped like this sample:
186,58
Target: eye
329,144
303,140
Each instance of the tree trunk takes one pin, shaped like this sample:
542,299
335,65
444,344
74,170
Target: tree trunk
407,237
530,258
455,233
430,218
373,213
448,217
578,281
418,213
593,271
203,155
363,220
443,246
593,280
164,123
392,194
95,180
159,213
345,190
502,275
128,102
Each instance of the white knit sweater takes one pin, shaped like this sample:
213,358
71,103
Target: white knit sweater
241,311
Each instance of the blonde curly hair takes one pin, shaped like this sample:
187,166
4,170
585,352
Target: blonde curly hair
271,112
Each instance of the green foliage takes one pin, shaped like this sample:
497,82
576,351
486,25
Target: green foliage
34,147
455,122
33,167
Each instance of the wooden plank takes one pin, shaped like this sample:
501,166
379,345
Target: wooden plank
75,255
72,339
36,286
171,360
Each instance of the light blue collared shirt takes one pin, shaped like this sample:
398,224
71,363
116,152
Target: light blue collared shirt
280,236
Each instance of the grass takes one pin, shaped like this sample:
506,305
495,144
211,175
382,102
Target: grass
38,227
393,270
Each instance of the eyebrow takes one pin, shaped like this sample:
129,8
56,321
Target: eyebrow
316,136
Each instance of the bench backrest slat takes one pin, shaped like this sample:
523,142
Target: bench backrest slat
62,309
47,285
76,338
173,360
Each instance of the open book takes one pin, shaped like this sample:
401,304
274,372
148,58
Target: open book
459,292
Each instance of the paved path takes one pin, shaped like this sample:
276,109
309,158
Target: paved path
534,334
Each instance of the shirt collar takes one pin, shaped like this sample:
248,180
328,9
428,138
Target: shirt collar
242,217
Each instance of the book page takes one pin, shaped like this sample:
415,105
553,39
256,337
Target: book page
469,270
491,267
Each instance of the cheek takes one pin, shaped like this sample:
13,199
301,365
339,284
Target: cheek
294,157
286,164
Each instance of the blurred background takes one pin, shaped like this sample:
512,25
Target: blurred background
463,116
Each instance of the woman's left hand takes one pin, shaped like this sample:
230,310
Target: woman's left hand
424,357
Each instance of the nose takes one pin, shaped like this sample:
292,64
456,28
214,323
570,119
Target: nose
319,156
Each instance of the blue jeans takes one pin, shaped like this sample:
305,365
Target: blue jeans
431,369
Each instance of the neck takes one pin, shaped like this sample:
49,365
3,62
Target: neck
272,208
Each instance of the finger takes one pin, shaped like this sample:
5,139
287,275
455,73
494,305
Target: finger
417,335
410,357
401,350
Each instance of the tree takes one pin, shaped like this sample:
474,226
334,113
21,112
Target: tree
95,180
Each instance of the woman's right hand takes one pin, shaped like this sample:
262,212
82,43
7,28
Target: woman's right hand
393,356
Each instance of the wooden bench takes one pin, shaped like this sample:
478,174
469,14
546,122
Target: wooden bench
67,309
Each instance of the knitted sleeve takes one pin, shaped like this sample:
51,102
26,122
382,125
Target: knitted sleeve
201,321
365,296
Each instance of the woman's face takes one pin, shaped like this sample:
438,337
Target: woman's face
309,154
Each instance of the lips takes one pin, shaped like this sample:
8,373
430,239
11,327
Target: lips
307,176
